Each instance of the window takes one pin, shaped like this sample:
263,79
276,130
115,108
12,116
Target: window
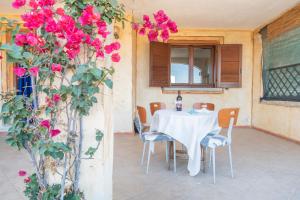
195,66
281,61
192,66
180,65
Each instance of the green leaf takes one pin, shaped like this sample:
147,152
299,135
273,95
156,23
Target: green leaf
94,99
5,108
99,135
109,83
91,151
15,31
28,55
81,69
97,73
76,91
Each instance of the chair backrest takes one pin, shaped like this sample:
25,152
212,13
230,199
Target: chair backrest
154,106
142,114
208,106
227,118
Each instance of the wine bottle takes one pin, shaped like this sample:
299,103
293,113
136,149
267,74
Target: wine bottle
179,101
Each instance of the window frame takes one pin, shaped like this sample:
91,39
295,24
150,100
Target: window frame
191,51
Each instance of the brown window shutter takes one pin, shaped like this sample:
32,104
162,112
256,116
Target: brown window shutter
159,64
230,65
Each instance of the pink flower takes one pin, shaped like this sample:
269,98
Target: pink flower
56,98
33,4
54,132
43,3
146,18
96,43
56,67
115,57
33,20
147,22
100,54
51,26
72,53
60,11
160,17
22,173
45,124
164,35
115,46
172,26
87,39
108,49
20,39
142,31
31,39
87,17
19,71
135,26
18,3
152,35
27,180
104,34
102,28
34,71
47,12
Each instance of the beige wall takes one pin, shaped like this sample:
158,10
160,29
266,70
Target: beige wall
238,97
280,118
123,82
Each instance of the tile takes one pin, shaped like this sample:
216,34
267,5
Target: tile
265,168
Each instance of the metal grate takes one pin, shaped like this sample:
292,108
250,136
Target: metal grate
282,83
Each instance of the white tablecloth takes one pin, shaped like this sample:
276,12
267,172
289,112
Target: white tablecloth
188,128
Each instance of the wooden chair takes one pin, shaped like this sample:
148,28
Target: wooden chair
208,106
227,118
154,106
142,114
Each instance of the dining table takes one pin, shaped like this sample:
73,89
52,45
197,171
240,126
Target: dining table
187,127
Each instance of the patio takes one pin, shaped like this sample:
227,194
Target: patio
266,168
231,64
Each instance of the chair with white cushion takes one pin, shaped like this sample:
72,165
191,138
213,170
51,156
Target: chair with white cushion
227,118
152,137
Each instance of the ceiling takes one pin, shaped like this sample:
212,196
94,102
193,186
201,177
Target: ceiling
213,14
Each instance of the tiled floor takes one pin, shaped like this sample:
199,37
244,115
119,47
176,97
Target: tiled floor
11,161
266,168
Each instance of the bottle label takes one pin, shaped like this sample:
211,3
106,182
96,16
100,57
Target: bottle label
179,105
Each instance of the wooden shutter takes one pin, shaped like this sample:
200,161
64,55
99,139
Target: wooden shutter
159,65
230,65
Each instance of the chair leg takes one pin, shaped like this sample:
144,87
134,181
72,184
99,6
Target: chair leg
167,151
144,149
149,154
214,163
174,154
230,160
210,155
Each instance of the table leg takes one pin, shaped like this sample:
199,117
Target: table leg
170,154
203,159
